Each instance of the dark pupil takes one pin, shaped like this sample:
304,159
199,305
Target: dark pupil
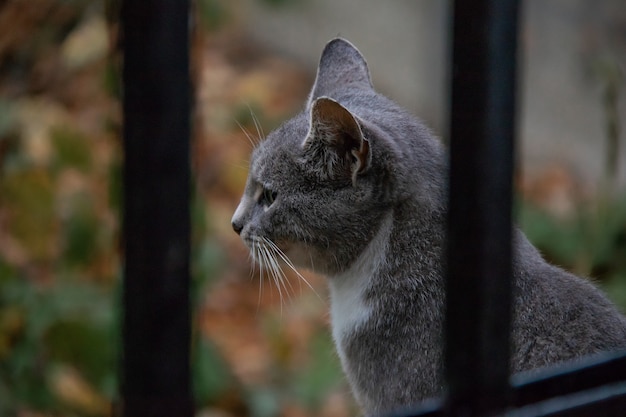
269,196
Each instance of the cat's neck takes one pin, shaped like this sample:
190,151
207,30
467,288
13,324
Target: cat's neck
387,271
348,289
390,284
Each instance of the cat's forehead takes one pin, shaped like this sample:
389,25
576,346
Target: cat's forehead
276,153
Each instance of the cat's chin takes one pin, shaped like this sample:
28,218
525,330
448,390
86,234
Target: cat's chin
301,256
307,258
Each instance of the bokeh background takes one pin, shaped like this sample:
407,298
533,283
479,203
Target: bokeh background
256,353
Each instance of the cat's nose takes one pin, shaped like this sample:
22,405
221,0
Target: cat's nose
238,217
237,227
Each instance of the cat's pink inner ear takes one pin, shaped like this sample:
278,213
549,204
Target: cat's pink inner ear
336,126
336,141
361,156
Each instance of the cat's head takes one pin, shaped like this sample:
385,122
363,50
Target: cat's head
319,185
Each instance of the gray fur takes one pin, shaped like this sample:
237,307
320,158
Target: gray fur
361,198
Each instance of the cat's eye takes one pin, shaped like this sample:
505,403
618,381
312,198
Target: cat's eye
267,197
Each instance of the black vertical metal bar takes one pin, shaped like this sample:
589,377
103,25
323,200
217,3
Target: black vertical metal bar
479,234
156,111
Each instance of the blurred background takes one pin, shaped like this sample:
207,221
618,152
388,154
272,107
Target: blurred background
256,353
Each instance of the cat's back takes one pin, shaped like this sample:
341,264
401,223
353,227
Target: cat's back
558,316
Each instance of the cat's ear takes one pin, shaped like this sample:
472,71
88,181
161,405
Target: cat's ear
335,143
341,65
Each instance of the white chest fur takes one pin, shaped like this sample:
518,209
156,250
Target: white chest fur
348,308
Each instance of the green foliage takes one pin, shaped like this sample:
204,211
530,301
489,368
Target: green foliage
303,381
72,150
312,385
207,255
281,3
112,80
30,198
6,118
264,402
212,378
591,243
213,14
114,191
81,232
615,286
68,323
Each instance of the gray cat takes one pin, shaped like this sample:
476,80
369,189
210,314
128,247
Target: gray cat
354,188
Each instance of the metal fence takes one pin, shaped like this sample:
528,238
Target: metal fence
156,328
156,375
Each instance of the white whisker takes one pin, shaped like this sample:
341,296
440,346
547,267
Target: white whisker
290,264
253,142
257,124
245,167
279,269
275,272
269,256
253,253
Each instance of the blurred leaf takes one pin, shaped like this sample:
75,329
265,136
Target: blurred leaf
69,386
29,198
68,321
37,118
112,80
7,118
23,369
211,376
115,193
72,149
87,43
322,374
12,322
280,3
591,243
7,274
84,344
208,256
81,232
559,240
616,287
264,402
213,13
